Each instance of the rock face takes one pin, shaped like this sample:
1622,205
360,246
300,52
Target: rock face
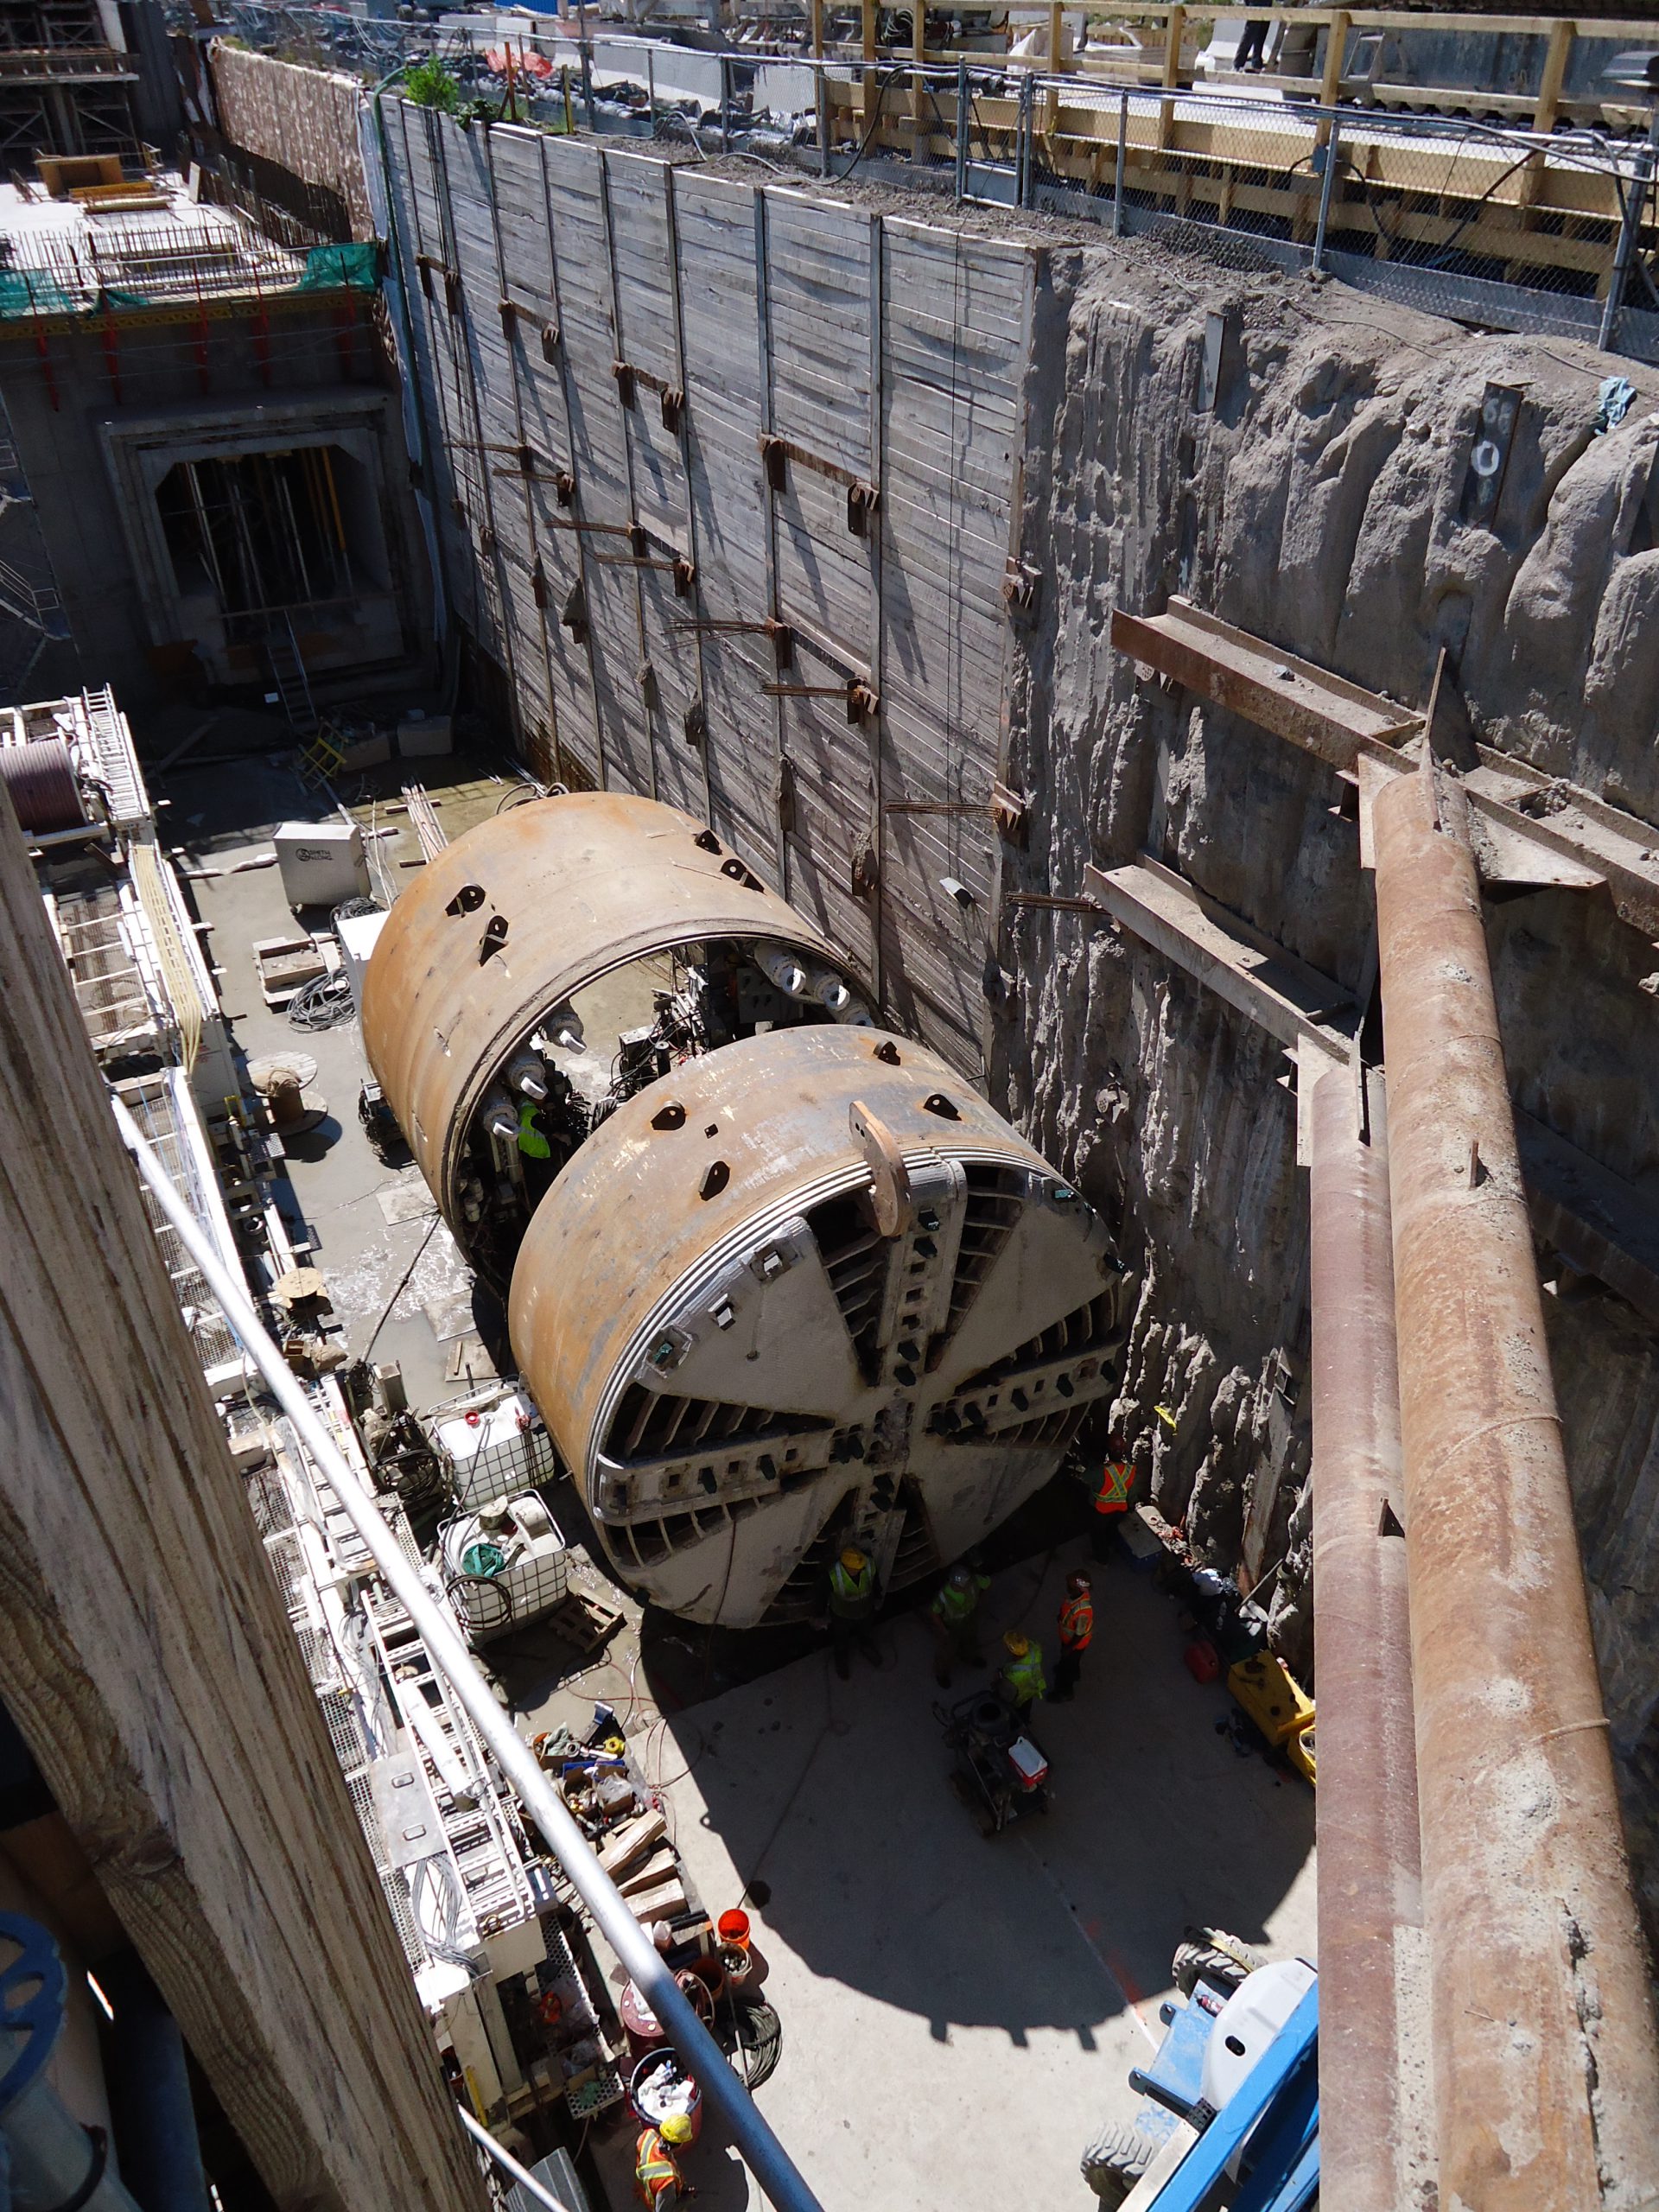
1318,505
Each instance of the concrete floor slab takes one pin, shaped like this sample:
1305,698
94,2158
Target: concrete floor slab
961,2014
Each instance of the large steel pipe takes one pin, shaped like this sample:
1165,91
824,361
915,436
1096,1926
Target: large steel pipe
1545,2069
1374,2148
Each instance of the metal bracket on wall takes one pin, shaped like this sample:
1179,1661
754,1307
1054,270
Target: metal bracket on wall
1020,590
1528,829
781,634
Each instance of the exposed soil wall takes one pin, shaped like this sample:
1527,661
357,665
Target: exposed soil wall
1318,505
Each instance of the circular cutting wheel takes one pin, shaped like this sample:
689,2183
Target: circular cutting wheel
820,1291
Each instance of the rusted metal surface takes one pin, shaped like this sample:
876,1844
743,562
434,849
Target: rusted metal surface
1374,2119
562,890
1312,708
40,778
730,1363
1546,2070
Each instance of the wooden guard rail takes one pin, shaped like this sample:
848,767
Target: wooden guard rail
1347,53
1510,206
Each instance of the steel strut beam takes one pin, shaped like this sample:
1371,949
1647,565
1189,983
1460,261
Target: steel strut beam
1374,2142
1545,2064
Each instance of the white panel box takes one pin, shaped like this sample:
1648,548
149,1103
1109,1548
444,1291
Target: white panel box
357,935
322,863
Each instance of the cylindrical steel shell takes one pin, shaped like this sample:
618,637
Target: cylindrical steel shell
508,921
729,1354
1546,2075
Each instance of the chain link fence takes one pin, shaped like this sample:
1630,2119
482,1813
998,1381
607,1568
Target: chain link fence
1464,218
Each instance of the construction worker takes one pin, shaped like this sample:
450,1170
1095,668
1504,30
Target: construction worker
656,2168
531,1142
1110,1496
852,1603
1077,1632
1021,1680
954,1617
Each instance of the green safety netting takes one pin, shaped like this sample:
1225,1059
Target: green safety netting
31,291
328,267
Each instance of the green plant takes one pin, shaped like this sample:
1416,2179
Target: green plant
429,84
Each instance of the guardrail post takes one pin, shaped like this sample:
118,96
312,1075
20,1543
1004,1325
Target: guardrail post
824,117
1630,227
1122,163
725,106
1332,151
965,124
651,88
1023,191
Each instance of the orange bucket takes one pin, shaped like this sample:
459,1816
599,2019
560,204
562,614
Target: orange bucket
733,1928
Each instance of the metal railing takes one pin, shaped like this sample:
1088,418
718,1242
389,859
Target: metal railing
1518,230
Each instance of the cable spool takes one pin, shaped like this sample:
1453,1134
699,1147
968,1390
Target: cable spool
40,778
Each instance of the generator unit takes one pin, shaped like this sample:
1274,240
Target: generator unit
776,1278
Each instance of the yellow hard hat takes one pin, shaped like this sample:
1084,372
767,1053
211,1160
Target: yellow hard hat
1017,1643
853,1559
676,2129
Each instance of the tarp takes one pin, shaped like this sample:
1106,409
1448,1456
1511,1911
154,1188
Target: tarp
329,267
31,291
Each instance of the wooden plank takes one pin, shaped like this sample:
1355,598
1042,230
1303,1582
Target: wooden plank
147,1659
631,1839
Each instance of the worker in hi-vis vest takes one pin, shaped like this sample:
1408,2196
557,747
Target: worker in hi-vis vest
954,1618
1021,1680
1110,1496
656,2169
531,1142
1077,1633
852,1603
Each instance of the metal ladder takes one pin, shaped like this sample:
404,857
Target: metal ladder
288,674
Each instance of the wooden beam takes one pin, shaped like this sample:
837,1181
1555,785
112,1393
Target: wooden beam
817,20
1323,713
1174,30
146,1656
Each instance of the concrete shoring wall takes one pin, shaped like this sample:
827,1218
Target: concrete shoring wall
881,351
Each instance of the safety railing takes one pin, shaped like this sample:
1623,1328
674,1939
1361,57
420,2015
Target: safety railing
1547,231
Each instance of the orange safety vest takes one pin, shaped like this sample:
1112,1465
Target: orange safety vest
1116,1479
654,2167
1077,1622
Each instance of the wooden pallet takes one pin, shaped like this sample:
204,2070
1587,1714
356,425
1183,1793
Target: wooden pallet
584,1620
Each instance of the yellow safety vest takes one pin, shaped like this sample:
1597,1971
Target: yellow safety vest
1025,1677
850,1589
531,1142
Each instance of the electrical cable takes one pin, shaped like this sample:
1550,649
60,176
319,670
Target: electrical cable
431,1232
